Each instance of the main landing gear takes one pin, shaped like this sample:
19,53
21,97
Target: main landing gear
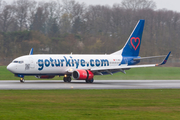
90,81
67,78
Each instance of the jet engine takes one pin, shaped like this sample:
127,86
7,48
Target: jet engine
83,75
45,76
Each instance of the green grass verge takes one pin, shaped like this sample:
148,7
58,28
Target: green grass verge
157,73
151,73
90,104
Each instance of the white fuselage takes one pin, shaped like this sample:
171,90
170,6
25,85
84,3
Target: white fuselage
60,64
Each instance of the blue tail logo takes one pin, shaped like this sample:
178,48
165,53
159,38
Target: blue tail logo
132,46
136,42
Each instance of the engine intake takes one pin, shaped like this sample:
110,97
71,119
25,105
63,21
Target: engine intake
83,75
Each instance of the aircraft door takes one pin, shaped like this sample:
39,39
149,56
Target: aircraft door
32,65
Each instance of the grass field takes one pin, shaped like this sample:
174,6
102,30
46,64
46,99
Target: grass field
157,73
94,104
90,104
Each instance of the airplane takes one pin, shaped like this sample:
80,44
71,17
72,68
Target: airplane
83,67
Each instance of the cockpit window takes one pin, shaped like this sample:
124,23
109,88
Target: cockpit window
21,62
15,61
18,62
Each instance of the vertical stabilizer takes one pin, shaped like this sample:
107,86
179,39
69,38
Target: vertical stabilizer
133,44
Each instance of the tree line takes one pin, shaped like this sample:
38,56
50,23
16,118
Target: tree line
65,26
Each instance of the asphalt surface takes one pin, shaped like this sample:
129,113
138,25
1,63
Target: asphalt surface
98,84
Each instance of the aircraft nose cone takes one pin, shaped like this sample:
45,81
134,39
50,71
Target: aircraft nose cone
9,67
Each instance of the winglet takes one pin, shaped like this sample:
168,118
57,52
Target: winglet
31,51
165,60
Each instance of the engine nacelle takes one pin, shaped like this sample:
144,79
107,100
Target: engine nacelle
83,75
45,76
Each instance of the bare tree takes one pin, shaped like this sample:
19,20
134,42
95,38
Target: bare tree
2,5
7,17
72,11
32,9
51,16
38,23
22,8
138,4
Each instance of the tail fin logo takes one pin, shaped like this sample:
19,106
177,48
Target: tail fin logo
135,42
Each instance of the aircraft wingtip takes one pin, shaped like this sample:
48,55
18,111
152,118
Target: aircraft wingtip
31,51
166,59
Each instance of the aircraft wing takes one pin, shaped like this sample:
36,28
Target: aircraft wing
131,66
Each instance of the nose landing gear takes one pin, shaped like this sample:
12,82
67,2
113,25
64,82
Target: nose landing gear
22,80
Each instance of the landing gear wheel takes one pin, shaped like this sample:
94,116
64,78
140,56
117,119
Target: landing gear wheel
90,81
67,79
22,80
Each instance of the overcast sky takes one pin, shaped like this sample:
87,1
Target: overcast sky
168,4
